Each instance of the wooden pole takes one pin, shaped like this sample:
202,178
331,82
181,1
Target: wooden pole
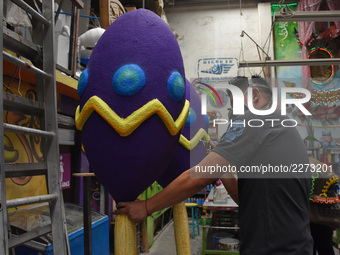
125,236
181,225
104,13
144,237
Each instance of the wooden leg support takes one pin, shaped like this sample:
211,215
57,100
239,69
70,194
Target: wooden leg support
125,236
181,224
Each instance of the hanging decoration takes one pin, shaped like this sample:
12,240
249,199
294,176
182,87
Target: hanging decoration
325,97
316,45
321,74
305,32
321,97
324,44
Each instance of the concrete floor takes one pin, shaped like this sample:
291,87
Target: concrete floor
164,243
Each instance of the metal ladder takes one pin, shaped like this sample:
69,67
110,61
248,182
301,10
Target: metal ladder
46,107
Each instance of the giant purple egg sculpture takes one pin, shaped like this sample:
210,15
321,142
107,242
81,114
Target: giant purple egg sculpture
191,149
132,103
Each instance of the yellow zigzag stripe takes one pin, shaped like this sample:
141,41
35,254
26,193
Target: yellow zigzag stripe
189,145
125,126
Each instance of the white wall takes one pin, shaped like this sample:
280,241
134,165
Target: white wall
213,31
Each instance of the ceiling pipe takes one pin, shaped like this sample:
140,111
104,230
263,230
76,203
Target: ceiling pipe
292,62
317,16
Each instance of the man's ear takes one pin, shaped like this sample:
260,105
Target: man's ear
256,95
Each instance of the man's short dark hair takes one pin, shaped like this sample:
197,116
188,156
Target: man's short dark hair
256,79
242,82
264,86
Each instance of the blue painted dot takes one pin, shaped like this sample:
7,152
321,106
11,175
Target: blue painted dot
128,80
206,118
176,86
82,82
192,118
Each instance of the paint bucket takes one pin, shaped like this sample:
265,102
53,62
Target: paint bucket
229,244
216,238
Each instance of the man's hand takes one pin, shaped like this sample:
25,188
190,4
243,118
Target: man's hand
135,210
211,145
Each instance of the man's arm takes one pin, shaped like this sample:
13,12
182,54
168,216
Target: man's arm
181,188
231,185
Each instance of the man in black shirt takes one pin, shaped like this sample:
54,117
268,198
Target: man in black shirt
274,207
272,194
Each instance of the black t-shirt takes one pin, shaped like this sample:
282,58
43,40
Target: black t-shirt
274,208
